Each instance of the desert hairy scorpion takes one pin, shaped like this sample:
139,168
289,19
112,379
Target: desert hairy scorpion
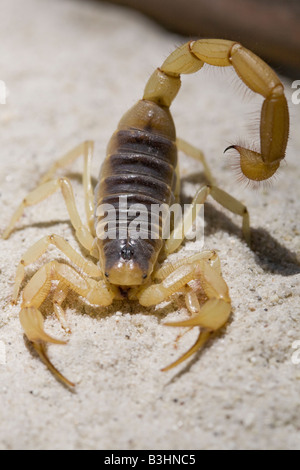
141,165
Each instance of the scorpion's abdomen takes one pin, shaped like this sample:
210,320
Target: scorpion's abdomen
140,168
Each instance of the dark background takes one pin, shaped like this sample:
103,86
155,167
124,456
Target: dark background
270,28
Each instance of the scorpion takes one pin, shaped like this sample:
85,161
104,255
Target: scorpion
141,164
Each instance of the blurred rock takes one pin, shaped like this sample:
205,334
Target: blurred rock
270,28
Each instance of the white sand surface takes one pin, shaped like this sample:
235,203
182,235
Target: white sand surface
72,69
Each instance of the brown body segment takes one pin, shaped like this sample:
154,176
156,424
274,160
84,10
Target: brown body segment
140,165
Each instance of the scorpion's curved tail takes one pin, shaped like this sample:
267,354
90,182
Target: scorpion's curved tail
164,85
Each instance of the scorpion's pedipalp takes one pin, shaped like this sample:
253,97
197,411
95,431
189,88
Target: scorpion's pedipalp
32,323
38,249
213,315
203,336
41,350
38,288
215,311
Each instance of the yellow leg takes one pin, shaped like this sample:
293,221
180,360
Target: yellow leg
223,198
36,291
86,149
48,186
197,154
234,206
178,235
164,85
42,192
215,311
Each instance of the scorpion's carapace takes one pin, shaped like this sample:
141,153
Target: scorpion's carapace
141,168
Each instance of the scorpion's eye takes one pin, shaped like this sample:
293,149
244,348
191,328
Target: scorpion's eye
127,252
144,276
106,274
